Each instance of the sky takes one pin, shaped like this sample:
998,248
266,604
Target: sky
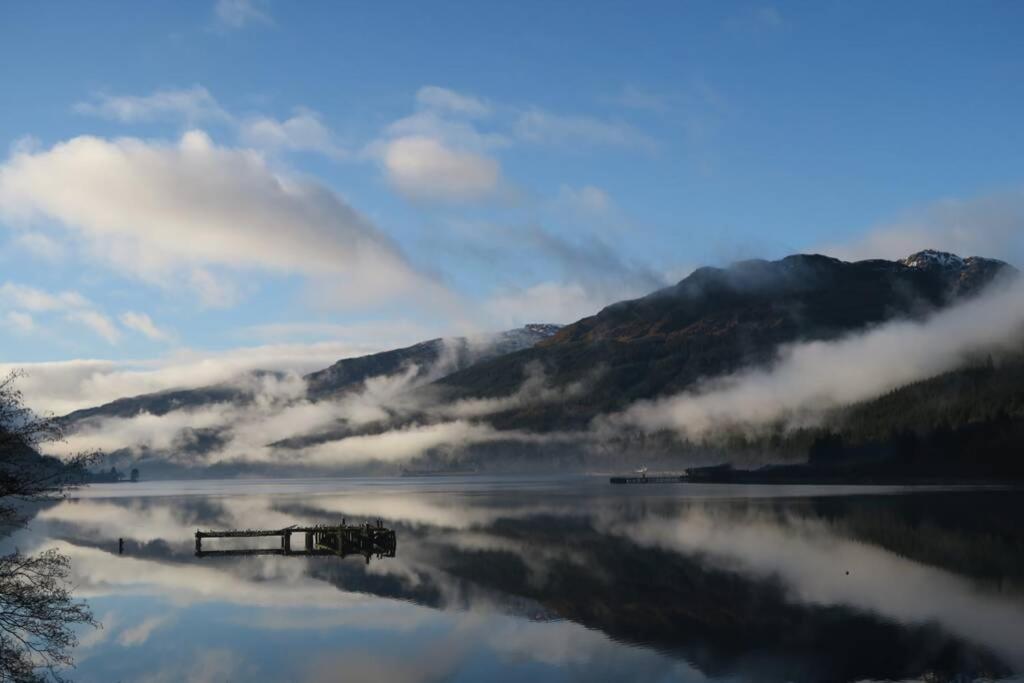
189,189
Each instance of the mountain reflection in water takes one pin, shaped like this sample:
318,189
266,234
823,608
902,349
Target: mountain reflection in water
551,580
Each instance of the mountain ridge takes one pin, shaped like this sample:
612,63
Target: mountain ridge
547,379
715,322
339,376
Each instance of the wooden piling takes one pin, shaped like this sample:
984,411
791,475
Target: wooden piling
342,540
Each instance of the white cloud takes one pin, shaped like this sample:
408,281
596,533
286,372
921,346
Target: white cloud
142,323
304,131
97,322
74,307
443,150
41,246
535,390
424,168
206,666
21,322
159,432
160,211
193,104
64,386
803,557
37,300
402,444
275,410
453,132
241,13
434,97
539,126
278,409
140,633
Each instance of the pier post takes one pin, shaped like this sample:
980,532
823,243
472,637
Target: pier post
367,539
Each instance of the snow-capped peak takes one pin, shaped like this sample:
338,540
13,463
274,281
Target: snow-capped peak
543,329
929,258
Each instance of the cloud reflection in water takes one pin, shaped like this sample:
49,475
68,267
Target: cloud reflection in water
573,582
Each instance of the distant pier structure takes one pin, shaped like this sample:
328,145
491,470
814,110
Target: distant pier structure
644,479
714,474
653,479
343,540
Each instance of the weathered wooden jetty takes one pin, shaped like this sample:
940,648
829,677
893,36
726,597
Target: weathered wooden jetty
656,479
343,540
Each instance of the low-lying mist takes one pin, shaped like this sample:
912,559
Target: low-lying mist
809,379
397,418
387,419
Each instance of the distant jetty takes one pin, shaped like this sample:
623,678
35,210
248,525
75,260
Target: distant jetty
818,475
644,479
437,473
693,474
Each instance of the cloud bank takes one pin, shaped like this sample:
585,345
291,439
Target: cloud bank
63,386
24,302
811,378
167,213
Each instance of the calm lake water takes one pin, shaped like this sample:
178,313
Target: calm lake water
549,580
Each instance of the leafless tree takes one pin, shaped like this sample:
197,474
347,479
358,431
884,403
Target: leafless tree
37,613
37,610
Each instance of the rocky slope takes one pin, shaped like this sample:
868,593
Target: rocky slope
437,358
434,359
716,321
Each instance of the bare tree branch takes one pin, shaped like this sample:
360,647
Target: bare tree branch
37,610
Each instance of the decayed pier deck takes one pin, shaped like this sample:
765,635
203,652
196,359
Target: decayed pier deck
342,540
656,479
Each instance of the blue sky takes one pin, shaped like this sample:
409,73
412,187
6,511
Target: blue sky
278,183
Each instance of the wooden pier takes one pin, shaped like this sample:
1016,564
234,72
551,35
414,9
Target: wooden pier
656,479
342,540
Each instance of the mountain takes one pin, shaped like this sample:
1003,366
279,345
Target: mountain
433,359
714,322
545,384
437,357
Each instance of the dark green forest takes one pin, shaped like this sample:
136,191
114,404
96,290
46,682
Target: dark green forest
969,421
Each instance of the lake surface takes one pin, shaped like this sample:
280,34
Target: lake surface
547,579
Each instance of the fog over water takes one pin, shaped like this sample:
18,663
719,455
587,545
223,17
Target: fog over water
551,579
